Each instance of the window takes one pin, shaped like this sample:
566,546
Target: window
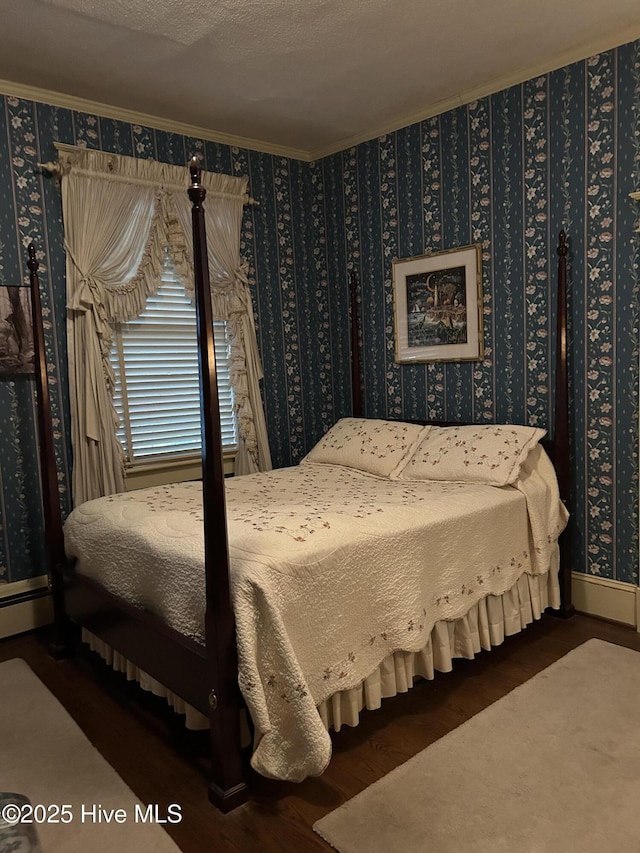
157,392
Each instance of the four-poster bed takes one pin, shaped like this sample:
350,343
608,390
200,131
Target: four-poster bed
200,665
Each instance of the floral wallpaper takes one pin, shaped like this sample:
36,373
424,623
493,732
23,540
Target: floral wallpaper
508,171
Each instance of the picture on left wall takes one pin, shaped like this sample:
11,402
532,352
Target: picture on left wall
16,331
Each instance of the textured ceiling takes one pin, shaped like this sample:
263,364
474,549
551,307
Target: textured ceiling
185,23
308,76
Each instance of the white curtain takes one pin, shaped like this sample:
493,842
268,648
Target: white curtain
119,215
232,302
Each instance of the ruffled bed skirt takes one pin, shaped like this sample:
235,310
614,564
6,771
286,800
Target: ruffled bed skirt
485,625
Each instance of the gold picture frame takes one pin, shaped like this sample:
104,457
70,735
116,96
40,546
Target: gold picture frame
437,301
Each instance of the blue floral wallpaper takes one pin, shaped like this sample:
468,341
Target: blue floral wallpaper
507,171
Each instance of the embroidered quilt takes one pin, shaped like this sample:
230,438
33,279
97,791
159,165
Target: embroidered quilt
332,570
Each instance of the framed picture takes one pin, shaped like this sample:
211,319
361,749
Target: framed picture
16,331
438,306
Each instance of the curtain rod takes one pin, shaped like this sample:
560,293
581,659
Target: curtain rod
58,169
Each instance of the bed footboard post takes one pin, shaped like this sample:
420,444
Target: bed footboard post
59,645
561,428
227,787
356,375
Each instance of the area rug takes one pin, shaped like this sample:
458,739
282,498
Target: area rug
552,767
48,762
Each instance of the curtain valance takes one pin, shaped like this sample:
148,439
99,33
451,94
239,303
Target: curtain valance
163,176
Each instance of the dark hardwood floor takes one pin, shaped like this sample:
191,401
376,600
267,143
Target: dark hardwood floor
163,766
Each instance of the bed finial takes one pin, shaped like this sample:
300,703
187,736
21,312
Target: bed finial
32,263
194,169
563,248
196,191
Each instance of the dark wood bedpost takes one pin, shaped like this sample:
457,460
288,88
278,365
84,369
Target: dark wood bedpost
356,378
561,427
50,497
227,788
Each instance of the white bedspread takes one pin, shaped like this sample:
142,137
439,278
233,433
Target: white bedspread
332,571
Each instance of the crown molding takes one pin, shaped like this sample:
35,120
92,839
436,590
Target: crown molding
71,102
491,87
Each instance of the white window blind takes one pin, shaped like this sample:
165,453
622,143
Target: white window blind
157,393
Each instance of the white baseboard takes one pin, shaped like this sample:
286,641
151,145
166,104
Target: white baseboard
26,612
607,599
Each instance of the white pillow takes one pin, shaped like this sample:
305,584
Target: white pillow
471,454
374,446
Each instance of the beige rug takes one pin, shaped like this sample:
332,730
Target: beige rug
47,758
553,767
